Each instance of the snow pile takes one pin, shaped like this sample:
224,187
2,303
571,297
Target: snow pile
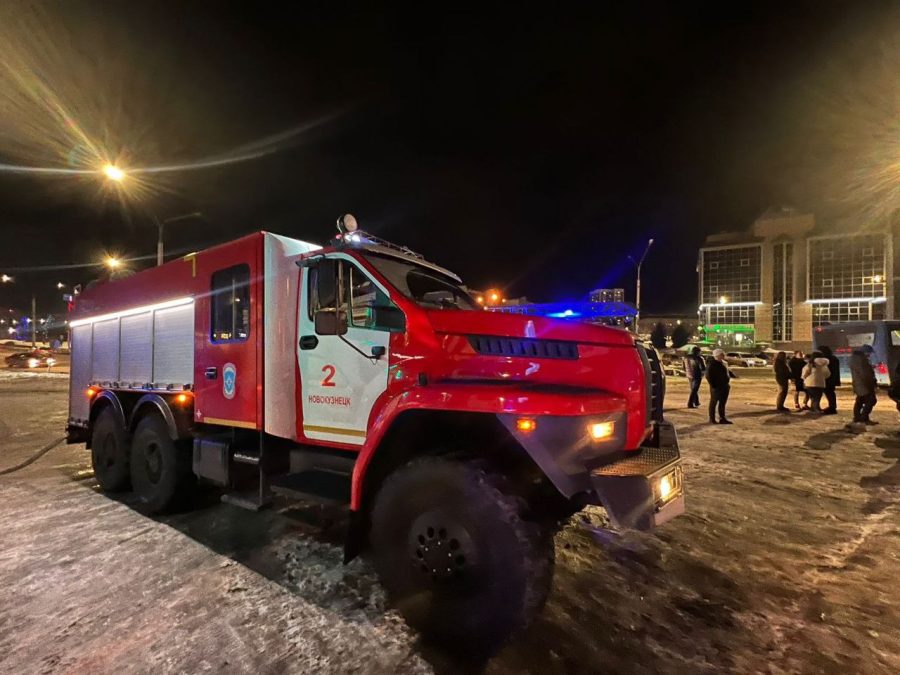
31,375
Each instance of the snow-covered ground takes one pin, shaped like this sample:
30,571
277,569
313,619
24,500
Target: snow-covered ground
787,561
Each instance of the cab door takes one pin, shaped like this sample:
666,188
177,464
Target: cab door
345,322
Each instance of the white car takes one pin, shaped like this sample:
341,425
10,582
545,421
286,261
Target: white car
744,360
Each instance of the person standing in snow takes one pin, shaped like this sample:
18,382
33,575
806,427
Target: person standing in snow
815,373
864,384
796,364
719,378
782,379
694,367
833,381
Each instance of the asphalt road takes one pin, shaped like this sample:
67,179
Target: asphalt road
785,562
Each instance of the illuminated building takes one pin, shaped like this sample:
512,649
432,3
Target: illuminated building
784,276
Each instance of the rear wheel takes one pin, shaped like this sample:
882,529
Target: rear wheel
455,555
109,452
160,470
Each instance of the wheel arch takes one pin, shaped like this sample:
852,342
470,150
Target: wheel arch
150,404
420,433
103,401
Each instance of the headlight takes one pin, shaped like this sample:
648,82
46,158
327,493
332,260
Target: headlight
600,431
667,486
33,363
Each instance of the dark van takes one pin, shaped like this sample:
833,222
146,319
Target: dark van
843,338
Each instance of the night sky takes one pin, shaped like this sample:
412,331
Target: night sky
531,150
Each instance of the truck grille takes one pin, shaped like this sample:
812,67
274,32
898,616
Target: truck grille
535,349
656,383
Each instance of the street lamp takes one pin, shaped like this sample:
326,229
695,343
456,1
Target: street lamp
114,173
637,291
112,262
5,278
161,224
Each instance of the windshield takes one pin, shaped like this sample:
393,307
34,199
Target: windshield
422,285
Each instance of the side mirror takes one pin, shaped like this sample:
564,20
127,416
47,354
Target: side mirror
389,318
330,322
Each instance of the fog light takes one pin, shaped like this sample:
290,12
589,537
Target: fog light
600,431
665,488
526,425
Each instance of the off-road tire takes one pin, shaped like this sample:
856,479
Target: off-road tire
110,448
161,472
484,599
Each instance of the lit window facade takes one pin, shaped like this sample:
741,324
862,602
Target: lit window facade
847,266
731,273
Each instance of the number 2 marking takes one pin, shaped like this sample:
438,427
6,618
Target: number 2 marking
328,380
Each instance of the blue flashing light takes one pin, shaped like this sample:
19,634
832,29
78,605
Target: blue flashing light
564,314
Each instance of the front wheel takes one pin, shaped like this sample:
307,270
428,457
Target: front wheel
456,556
160,470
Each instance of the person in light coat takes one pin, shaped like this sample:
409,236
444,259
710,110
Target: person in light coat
815,376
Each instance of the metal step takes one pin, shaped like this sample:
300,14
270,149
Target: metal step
318,485
251,458
246,500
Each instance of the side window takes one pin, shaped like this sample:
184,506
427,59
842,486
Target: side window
323,286
365,296
230,304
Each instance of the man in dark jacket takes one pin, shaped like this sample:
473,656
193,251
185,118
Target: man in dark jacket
783,379
694,369
833,381
718,376
864,385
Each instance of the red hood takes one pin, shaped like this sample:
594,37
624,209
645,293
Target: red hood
458,322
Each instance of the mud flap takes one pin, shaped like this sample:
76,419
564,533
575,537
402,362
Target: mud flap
643,490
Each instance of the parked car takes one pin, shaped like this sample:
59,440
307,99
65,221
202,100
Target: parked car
34,358
745,360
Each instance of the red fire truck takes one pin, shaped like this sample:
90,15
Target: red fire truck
361,373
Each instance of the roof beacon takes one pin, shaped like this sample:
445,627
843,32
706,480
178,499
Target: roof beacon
349,228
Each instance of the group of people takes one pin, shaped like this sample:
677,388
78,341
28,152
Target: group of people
819,374
815,376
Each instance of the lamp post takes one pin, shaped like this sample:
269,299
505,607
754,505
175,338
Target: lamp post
160,224
637,291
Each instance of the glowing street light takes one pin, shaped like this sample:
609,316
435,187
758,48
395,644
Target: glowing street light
5,278
112,262
114,173
723,300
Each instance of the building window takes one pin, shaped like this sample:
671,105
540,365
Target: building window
230,304
836,312
846,266
732,272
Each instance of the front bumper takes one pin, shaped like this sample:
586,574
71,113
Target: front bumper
645,489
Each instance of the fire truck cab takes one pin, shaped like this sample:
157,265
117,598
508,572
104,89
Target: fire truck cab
359,373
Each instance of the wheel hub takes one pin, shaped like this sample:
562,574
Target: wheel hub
153,460
440,547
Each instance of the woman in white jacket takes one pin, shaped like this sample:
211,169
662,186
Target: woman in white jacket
814,375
